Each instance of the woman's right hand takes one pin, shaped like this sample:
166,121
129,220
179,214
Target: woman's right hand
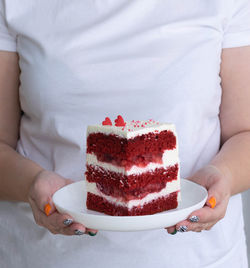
43,187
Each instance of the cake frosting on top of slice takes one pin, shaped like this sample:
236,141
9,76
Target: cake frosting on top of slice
132,167
131,129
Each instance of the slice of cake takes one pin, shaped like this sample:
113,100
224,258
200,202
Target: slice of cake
132,167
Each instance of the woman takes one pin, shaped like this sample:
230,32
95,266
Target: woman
183,62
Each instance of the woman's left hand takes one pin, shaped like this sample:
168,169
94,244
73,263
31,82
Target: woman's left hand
219,192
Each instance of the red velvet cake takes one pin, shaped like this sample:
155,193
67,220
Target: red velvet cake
132,167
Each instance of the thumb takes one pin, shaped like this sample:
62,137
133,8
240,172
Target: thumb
42,197
213,195
43,188
212,191
49,208
210,178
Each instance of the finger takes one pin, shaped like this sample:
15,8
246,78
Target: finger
206,217
43,197
40,218
216,203
183,226
214,195
208,214
210,177
91,232
171,230
186,226
217,195
44,204
203,227
59,220
38,215
55,223
209,226
48,208
211,202
73,229
67,231
76,229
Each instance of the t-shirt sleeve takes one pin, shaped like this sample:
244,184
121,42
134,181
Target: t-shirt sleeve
7,40
237,31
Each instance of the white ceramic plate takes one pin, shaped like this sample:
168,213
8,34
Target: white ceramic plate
71,200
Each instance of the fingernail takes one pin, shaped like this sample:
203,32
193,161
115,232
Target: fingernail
174,232
194,219
67,222
78,232
212,202
92,234
47,209
182,229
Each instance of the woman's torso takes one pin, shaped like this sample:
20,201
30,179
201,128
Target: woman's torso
84,60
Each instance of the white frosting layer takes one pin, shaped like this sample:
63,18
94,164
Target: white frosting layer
132,129
169,158
171,187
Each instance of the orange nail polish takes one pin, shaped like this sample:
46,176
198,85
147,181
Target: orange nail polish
47,209
212,202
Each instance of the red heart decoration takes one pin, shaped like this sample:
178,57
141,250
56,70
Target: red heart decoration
119,121
107,122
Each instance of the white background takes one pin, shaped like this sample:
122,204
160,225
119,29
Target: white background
246,202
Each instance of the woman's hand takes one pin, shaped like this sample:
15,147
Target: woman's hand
44,186
219,190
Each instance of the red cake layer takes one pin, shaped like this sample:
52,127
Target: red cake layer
97,203
134,186
140,150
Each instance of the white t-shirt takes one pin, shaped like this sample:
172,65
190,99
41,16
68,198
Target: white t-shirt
84,60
